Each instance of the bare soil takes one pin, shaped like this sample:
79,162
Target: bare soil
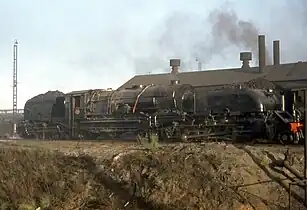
123,175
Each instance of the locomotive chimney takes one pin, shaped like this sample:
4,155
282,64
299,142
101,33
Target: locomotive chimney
276,52
261,52
245,57
174,64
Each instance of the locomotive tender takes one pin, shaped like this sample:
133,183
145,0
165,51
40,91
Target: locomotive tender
173,112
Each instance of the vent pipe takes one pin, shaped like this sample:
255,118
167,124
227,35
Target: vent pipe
245,57
261,52
175,82
174,64
276,52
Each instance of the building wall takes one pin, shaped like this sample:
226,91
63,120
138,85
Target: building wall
6,129
6,124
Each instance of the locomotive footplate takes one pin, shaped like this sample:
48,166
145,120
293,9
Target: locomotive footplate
113,126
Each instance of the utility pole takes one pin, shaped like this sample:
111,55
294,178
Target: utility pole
15,51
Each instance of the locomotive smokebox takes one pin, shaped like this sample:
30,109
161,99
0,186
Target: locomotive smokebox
261,52
245,57
174,64
276,52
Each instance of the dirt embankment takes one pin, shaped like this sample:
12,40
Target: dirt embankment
186,176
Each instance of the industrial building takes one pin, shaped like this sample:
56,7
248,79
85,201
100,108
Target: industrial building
290,77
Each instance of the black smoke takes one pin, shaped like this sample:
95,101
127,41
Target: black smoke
187,36
227,26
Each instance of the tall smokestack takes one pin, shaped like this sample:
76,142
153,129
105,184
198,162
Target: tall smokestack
261,51
175,64
276,52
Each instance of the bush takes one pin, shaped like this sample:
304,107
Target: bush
150,142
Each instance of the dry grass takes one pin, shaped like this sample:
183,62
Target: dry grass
178,179
155,177
39,178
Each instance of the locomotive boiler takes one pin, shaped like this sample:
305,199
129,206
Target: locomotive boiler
112,113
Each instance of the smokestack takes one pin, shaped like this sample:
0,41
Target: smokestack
276,52
261,51
175,64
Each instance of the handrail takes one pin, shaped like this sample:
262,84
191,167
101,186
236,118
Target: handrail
138,97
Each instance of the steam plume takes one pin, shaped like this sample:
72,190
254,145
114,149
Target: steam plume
189,36
227,26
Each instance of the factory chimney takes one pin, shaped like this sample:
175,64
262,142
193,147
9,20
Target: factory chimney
276,52
261,52
245,57
174,64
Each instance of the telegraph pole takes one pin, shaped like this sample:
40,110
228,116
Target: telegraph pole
15,51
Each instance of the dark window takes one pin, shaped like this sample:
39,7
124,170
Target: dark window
77,101
103,106
188,102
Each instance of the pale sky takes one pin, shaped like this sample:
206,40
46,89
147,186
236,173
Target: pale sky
76,44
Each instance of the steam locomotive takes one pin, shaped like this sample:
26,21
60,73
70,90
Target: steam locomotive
172,112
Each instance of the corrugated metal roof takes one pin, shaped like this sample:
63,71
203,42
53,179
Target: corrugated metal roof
288,72
293,85
283,72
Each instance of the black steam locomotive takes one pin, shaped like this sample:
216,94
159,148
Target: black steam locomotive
173,112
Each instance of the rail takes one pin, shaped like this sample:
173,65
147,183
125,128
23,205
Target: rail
10,111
